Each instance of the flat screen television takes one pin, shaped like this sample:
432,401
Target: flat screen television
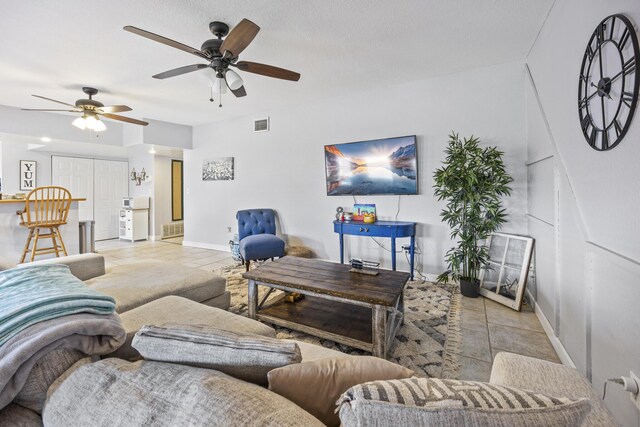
379,166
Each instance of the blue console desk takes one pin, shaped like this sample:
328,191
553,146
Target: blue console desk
390,229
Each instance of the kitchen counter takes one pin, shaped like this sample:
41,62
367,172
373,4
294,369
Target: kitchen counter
21,201
13,237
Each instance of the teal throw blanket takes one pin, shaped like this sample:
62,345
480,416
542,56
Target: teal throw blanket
29,295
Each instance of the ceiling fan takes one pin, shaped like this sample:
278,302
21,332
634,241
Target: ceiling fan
91,110
221,54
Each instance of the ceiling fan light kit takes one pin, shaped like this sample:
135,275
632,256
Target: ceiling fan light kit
91,111
221,54
234,81
89,122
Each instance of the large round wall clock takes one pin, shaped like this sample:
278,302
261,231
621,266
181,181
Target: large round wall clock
609,83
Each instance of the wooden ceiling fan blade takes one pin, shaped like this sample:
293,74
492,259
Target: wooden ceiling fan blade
179,71
47,109
239,38
124,119
166,41
115,109
53,100
268,70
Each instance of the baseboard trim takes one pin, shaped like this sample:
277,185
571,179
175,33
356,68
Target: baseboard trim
555,341
201,245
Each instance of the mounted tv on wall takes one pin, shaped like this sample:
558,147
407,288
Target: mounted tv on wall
379,166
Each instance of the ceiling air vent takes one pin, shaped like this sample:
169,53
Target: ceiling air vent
261,125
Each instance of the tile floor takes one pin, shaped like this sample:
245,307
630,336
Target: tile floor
487,327
171,250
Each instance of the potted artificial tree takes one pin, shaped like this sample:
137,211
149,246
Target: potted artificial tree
472,180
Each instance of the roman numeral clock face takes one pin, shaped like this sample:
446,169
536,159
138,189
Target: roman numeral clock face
609,83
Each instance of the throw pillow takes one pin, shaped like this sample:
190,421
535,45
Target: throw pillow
246,356
427,401
315,386
114,392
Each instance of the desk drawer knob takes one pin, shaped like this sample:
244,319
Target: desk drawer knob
366,230
361,229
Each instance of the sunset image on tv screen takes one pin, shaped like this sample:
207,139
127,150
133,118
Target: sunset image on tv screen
383,166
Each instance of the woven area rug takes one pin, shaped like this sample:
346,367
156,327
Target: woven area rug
426,343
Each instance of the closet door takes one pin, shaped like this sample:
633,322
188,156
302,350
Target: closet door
76,175
111,185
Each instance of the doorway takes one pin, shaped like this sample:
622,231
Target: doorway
177,194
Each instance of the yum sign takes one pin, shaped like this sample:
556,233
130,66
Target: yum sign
27,175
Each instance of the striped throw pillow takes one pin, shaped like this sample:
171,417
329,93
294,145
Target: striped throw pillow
423,401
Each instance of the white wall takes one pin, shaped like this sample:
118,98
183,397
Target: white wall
158,189
583,209
167,134
284,168
12,153
140,158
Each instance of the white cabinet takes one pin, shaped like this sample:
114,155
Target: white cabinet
134,224
102,182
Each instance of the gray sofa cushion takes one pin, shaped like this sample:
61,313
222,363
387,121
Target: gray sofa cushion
15,415
44,373
427,401
180,310
549,378
83,266
6,264
114,392
138,283
222,301
244,356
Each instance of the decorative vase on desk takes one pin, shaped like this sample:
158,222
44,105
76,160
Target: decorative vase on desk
369,218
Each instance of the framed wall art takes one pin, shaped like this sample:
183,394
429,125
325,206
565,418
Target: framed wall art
220,169
28,175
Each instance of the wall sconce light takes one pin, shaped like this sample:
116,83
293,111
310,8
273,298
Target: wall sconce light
138,177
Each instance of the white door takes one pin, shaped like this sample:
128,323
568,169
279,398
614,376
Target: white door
76,175
111,185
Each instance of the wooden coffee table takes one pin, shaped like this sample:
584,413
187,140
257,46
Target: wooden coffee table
354,309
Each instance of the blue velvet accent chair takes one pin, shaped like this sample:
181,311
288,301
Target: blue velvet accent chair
257,234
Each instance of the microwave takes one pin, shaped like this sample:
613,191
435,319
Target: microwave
135,203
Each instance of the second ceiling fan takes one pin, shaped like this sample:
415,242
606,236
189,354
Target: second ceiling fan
221,54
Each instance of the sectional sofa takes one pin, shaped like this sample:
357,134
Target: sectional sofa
140,282
156,294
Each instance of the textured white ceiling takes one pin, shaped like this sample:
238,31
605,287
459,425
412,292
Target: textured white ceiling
53,48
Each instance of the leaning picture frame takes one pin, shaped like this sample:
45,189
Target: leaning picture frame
504,277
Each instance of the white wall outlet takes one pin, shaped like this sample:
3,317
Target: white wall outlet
635,398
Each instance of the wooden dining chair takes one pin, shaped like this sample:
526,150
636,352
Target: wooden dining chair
45,208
